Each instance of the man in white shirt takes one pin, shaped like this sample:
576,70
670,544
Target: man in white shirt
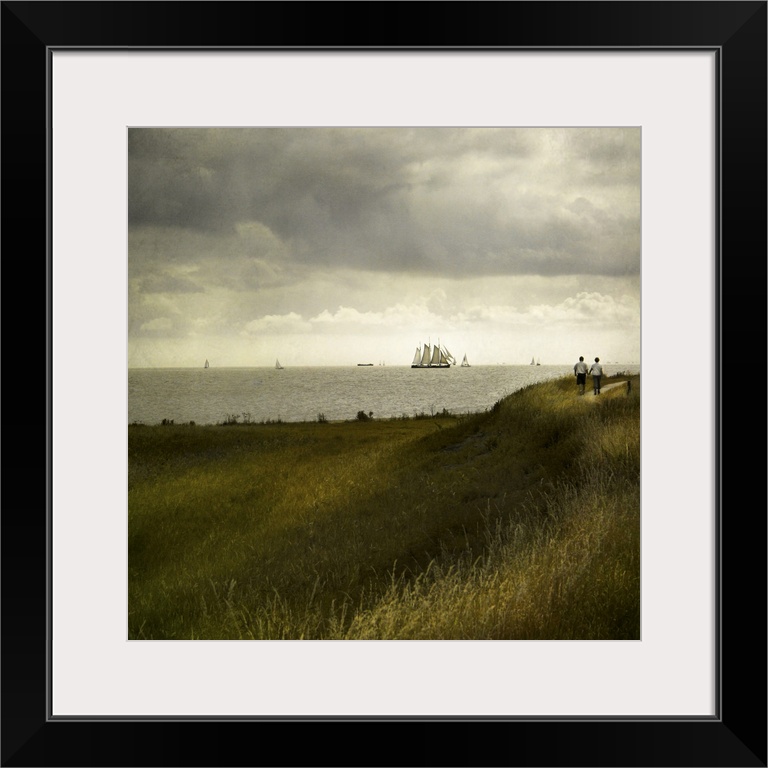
580,369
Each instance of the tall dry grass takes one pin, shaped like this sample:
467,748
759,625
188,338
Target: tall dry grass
518,523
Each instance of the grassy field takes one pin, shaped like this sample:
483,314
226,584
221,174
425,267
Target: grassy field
522,522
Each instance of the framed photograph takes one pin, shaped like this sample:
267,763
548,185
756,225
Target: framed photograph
101,99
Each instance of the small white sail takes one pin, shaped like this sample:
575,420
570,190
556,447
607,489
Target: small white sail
448,356
464,363
206,364
533,362
278,366
417,357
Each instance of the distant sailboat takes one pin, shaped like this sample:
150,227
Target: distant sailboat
538,363
206,364
533,361
464,363
278,366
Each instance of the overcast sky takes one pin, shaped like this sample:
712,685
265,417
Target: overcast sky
333,246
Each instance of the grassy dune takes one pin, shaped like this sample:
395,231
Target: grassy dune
522,522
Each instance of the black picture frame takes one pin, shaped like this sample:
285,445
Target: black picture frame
736,736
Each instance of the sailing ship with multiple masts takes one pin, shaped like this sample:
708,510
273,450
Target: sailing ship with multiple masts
436,356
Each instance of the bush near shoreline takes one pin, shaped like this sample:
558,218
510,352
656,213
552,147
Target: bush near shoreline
522,522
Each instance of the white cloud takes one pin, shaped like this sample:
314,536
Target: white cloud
597,308
158,324
278,324
398,316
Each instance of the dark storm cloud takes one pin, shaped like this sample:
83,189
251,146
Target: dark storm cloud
615,153
291,180
448,201
165,283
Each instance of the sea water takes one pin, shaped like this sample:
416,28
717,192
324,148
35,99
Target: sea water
215,395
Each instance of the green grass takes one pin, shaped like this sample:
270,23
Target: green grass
518,523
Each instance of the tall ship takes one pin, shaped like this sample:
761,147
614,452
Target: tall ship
436,356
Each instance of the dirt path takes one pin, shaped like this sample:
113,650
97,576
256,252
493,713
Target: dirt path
624,386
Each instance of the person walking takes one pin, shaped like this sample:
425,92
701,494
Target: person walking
596,371
580,369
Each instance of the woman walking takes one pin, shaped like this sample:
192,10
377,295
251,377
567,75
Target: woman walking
596,371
